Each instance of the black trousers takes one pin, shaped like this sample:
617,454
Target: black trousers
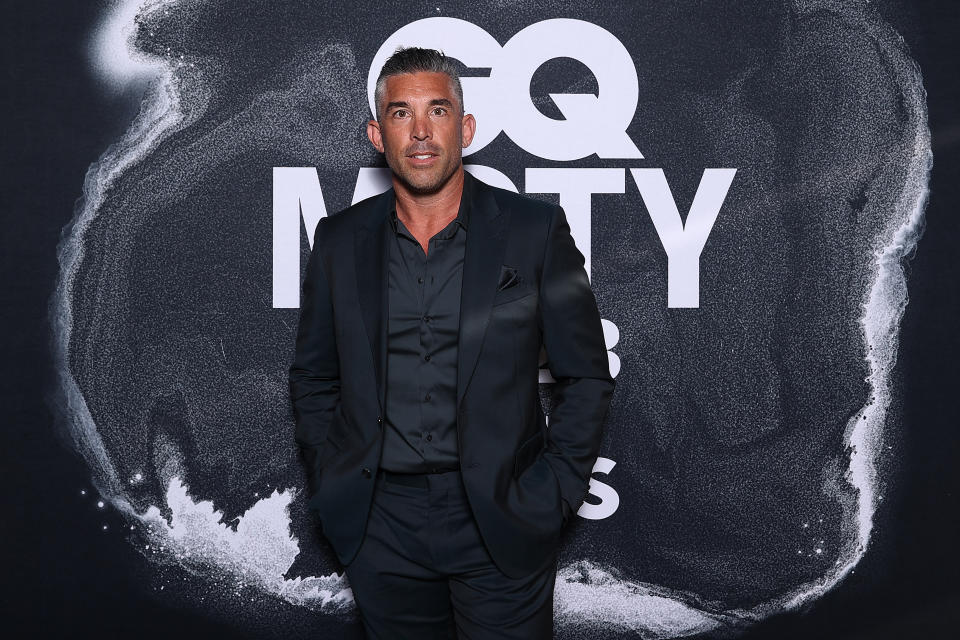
422,571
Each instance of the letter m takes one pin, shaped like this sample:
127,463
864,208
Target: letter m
296,196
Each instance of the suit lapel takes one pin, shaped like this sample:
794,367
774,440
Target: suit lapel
486,243
372,261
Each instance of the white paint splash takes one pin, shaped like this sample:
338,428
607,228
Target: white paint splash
260,551
587,592
257,553
882,312
112,53
160,115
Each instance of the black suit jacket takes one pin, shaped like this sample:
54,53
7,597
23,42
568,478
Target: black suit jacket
524,287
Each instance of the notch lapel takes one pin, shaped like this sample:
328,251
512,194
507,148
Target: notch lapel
486,244
372,262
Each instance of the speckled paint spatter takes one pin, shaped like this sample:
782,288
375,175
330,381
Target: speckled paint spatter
748,434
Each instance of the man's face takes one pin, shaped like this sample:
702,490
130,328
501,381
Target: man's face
421,132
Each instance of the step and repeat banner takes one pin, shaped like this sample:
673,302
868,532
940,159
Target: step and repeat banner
745,180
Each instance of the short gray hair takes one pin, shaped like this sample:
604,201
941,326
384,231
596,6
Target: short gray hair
417,60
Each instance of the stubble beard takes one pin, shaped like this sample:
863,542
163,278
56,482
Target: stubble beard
432,186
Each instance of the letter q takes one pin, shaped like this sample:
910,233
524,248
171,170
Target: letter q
502,102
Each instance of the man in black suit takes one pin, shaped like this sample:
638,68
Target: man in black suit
415,385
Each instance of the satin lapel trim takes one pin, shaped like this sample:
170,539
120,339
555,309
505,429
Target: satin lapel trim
486,244
372,262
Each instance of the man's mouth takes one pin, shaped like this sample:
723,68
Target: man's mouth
426,159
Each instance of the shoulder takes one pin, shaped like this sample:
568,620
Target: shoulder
334,227
518,203
524,212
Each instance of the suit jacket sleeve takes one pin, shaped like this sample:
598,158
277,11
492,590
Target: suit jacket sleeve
315,373
577,358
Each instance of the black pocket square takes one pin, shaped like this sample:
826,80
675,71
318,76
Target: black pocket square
509,277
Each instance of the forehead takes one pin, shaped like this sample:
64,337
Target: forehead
423,85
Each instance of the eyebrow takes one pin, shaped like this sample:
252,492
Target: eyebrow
435,102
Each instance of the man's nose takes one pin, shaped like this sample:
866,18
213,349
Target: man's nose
421,129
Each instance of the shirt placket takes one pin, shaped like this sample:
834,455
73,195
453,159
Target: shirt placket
427,293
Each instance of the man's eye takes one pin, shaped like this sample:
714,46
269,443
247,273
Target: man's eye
439,111
399,113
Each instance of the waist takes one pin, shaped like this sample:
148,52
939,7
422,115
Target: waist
416,479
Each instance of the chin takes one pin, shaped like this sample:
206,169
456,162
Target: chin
426,187
425,184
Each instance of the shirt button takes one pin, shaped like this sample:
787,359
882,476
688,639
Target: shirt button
429,437
427,318
426,398
427,357
420,279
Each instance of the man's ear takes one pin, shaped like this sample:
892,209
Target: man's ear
468,128
373,133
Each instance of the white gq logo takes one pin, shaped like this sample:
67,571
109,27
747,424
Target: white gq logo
594,124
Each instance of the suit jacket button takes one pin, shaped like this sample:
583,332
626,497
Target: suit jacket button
366,472
379,420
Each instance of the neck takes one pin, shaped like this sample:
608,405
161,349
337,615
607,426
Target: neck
429,211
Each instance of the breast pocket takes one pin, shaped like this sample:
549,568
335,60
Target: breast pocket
512,294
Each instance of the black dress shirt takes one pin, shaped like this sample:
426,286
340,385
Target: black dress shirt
420,429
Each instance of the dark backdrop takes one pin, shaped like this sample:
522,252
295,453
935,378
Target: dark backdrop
64,573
